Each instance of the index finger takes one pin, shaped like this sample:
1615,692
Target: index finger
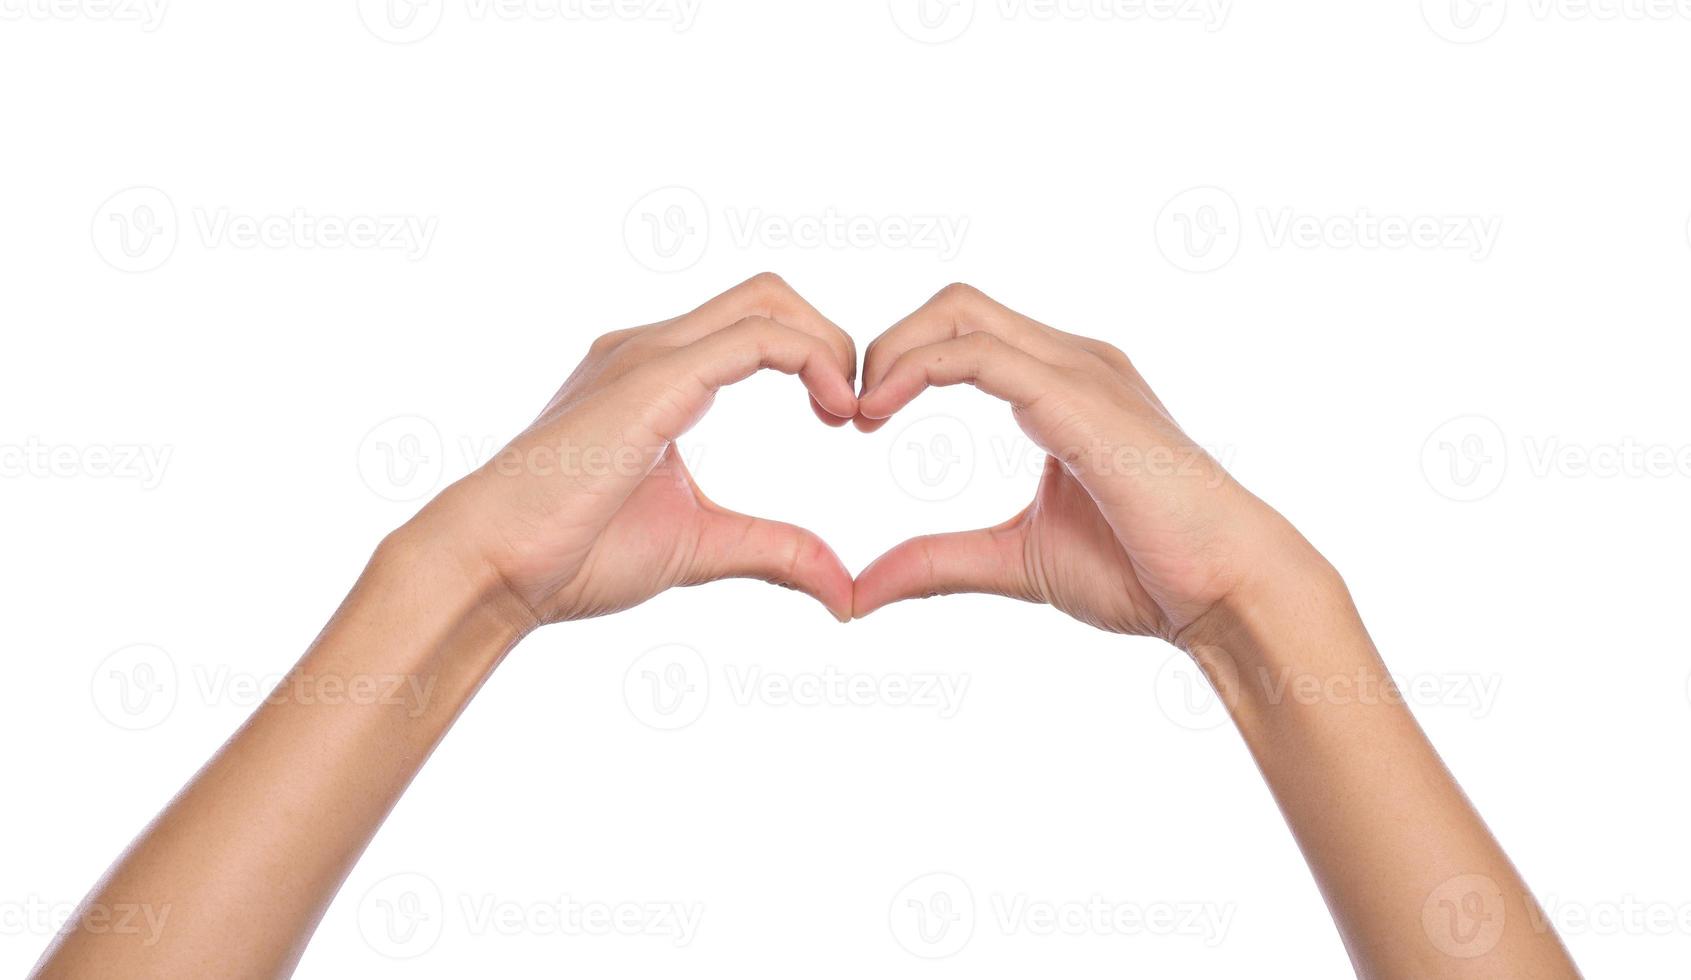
769,296
680,385
954,312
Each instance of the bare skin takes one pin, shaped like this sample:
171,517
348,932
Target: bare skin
590,511
1134,529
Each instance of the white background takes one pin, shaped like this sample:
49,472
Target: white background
1536,622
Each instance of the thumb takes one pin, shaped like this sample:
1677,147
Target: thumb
734,545
989,560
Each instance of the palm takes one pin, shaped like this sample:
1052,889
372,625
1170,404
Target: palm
648,546
665,532
1075,562
1059,550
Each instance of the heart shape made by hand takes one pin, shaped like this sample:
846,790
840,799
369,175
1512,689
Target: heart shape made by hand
1132,528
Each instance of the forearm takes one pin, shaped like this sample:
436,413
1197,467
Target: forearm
240,867
1415,881
587,512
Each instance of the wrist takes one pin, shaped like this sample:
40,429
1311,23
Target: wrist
1290,594
1287,650
436,550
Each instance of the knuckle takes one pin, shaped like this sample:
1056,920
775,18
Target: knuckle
638,343
746,325
845,346
605,343
755,332
1113,356
768,284
753,325
960,294
794,558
